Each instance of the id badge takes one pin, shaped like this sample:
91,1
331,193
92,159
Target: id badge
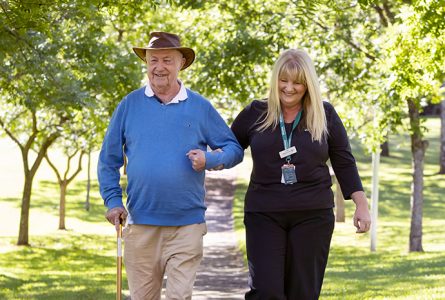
288,174
288,151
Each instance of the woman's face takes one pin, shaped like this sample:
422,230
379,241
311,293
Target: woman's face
291,91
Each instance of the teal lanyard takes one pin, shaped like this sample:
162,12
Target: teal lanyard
287,141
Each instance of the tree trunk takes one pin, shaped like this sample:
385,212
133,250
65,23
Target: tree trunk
87,201
418,149
339,200
385,148
442,138
23,239
29,171
339,204
63,183
62,202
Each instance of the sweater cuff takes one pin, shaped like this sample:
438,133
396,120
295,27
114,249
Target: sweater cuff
213,159
115,202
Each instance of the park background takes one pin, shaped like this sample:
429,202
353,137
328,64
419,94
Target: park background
66,64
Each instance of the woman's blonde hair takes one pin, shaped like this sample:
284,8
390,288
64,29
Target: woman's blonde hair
296,64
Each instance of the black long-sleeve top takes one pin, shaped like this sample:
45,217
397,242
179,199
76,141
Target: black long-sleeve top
313,187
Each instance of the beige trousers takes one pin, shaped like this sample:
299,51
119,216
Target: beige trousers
152,251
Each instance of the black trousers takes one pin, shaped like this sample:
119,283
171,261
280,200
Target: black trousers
287,253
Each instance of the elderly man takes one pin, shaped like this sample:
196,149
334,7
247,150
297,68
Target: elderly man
164,130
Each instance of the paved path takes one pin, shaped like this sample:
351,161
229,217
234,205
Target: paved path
222,274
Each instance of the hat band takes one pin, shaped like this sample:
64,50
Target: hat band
161,43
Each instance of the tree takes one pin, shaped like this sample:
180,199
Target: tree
384,59
12,120
46,52
415,54
412,59
65,179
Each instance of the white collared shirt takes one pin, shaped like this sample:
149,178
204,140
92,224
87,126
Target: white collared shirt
180,96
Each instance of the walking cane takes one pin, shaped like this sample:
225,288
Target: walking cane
119,264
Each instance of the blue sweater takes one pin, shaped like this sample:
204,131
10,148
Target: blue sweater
163,189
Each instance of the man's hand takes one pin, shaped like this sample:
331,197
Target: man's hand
116,216
198,159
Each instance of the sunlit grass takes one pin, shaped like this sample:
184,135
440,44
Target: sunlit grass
77,263
64,265
354,272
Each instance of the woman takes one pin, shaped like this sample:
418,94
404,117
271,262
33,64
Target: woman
288,215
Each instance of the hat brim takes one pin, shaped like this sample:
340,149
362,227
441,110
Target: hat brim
188,54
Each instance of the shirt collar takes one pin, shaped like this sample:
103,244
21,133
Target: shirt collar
181,96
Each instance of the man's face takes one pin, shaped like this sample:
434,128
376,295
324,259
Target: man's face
163,67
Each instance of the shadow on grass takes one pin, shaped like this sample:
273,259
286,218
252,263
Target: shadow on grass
65,266
15,201
371,275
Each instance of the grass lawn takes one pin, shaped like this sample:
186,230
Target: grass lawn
77,263
354,272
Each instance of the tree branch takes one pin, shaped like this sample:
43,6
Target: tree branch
382,17
9,133
388,12
40,155
348,41
68,163
59,179
34,133
79,167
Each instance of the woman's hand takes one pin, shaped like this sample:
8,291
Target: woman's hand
362,218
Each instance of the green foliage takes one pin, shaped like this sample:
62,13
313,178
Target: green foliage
342,42
414,59
431,15
235,42
58,61
239,42
40,43
372,57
